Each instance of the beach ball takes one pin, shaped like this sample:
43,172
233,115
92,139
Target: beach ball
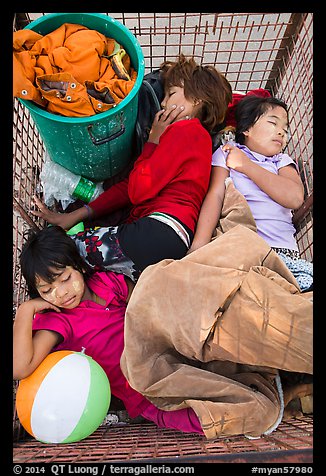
65,399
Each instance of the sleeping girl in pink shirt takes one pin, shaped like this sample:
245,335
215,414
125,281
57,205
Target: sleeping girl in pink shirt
72,307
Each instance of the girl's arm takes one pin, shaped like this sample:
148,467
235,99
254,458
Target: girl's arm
29,351
211,208
112,199
115,197
285,188
162,120
65,220
131,286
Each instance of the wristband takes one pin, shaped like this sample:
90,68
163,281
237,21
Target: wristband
89,218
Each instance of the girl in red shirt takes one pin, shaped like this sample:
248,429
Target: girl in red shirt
168,182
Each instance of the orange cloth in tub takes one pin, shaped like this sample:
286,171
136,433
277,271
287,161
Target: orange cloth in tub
69,71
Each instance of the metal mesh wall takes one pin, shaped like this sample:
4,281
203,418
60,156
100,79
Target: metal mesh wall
272,51
254,50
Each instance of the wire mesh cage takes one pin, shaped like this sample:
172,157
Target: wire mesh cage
273,51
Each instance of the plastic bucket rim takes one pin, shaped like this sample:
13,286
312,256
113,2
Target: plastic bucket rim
31,106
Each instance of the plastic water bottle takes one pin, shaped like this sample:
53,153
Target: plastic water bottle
61,184
87,190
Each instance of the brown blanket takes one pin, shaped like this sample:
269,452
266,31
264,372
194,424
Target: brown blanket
211,330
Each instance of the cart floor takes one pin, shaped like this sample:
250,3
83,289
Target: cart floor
273,51
291,442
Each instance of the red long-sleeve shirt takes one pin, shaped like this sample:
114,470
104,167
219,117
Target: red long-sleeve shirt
170,177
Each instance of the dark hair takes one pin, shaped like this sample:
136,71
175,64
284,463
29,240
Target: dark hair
200,82
49,248
250,109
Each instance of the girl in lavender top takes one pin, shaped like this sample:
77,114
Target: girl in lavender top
266,177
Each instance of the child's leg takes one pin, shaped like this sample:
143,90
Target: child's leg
184,420
148,241
301,269
131,247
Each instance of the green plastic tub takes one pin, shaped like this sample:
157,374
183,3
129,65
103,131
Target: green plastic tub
100,146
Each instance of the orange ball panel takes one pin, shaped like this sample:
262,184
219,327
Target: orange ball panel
28,387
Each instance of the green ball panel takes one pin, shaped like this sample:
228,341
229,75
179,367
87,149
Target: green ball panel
97,404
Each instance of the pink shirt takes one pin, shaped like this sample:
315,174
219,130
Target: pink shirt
274,222
100,330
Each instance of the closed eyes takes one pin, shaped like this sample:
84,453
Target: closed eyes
274,123
63,281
